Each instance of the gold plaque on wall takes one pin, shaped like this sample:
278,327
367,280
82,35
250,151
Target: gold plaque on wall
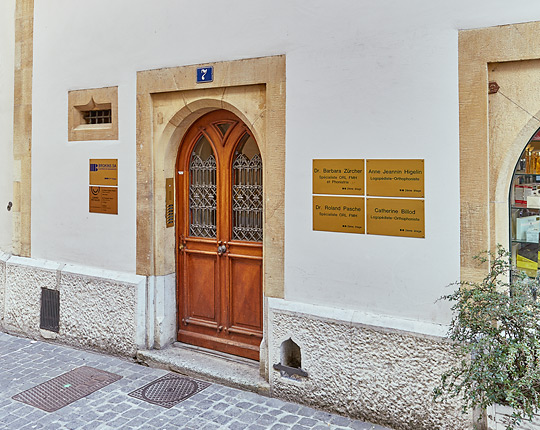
104,200
395,178
338,177
341,214
395,217
103,171
169,202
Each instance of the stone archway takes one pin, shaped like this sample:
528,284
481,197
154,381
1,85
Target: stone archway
493,129
167,141
168,102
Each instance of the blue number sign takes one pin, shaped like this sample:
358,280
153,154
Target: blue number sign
205,74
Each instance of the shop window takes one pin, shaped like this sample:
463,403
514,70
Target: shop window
525,209
93,114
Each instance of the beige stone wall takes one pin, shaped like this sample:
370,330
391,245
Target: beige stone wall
168,102
89,99
173,113
378,375
513,119
493,129
22,127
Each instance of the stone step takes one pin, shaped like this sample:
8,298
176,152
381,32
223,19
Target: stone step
212,366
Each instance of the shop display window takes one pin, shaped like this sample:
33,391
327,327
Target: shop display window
525,209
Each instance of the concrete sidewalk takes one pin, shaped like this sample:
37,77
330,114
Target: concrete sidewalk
25,364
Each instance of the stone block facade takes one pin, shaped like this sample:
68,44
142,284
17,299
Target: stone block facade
374,374
98,308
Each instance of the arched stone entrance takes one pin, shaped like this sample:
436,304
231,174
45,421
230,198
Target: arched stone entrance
169,101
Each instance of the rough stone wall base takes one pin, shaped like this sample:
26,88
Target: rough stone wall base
98,308
383,376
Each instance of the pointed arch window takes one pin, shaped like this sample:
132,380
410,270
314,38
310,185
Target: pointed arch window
247,192
525,209
202,190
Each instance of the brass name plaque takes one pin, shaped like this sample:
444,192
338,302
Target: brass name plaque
338,177
395,178
395,217
169,202
341,214
104,200
104,172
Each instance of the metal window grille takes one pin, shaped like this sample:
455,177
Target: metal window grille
202,196
103,116
50,310
247,204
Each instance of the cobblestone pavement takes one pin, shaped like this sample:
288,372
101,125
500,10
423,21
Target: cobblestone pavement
25,364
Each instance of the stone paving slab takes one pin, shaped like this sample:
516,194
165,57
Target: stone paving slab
25,363
193,361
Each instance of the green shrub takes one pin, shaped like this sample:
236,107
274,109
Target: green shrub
495,330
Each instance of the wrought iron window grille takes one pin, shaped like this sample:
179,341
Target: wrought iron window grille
101,116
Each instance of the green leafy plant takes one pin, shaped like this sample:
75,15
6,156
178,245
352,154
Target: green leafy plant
495,330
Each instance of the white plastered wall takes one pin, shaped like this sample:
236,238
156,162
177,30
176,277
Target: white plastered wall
7,52
371,79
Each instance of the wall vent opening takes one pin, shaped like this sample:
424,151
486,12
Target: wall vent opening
49,317
290,364
290,354
101,116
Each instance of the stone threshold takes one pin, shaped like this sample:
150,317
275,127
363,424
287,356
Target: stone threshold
212,366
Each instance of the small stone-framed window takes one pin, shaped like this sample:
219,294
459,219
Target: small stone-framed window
93,114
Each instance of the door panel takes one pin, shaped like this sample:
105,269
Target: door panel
201,279
245,302
219,231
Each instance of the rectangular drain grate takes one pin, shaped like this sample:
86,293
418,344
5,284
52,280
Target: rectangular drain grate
169,390
67,388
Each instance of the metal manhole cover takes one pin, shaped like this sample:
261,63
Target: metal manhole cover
67,388
169,390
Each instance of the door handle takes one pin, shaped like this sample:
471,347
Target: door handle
222,249
181,244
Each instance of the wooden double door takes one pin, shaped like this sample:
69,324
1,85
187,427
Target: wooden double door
219,236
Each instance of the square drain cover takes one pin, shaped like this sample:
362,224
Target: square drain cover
67,388
169,390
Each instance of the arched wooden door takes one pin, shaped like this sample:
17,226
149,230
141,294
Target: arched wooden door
219,236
